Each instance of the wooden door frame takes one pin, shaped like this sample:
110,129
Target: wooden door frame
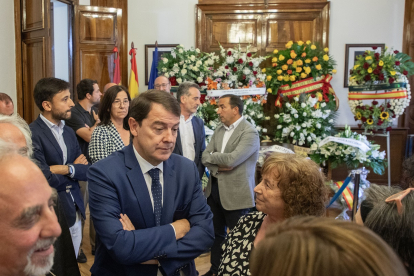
18,51
407,39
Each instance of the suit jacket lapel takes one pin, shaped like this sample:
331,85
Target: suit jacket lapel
220,136
170,188
137,181
69,146
196,127
235,134
178,143
48,133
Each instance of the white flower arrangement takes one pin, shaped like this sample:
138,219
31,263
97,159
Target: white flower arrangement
337,153
187,65
305,120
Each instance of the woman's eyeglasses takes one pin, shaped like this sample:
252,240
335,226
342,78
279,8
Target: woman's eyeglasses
118,103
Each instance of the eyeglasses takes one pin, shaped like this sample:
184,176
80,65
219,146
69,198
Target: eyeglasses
163,85
397,198
118,103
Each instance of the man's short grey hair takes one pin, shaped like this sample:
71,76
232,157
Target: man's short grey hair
184,88
21,124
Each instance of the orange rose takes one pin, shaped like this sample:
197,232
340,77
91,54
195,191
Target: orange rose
299,62
289,72
284,67
315,59
274,64
303,54
213,101
290,61
293,54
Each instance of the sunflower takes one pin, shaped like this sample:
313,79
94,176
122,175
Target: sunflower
358,115
370,121
384,115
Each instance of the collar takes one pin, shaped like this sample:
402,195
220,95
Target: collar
81,109
233,125
189,118
144,164
52,125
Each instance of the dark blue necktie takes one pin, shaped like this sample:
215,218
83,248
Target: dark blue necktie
156,191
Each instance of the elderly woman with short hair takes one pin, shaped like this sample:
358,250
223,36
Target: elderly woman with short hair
291,185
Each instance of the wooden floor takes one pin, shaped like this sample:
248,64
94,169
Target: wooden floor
202,262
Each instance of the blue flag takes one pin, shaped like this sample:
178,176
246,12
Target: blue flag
154,70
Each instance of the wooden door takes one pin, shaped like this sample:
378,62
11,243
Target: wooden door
407,119
97,30
36,54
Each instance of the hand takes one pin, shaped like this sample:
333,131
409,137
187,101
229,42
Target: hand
59,169
126,223
87,126
151,262
222,169
181,227
81,160
96,117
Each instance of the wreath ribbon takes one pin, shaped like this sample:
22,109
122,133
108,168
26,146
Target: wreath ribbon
348,196
305,86
396,94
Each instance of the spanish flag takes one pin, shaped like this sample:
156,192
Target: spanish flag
133,87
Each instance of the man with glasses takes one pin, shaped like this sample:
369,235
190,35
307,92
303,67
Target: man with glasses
162,83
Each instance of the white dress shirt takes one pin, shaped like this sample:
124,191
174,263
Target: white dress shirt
145,168
57,131
187,137
229,132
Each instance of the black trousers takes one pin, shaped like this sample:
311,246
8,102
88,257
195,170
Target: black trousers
222,219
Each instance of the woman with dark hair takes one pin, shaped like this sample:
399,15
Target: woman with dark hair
112,133
291,185
309,246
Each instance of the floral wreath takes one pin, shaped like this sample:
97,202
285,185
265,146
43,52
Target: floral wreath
300,77
380,71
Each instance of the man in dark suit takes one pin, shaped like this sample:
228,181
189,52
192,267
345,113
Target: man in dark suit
57,151
147,204
191,135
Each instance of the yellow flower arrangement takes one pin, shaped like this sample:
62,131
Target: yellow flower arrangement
269,78
318,66
370,121
334,71
307,70
325,57
319,95
300,42
299,69
307,61
303,75
381,63
275,51
369,70
264,70
269,90
313,47
392,73
284,67
274,59
279,72
279,78
308,42
286,78
326,50
299,62
281,57
292,78
356,66
358,115
293,54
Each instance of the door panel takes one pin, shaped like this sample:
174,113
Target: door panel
97,31
33,15
35,51
34,69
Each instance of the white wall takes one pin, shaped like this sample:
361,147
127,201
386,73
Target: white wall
358,22
7,51
165,21
352,22
61,40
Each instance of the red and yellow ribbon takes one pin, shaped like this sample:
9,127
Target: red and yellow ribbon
348,196
305,86
395,94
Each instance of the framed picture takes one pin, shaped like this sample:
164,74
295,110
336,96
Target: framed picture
354,50
149,56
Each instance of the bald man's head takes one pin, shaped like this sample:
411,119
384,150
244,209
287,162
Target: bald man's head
107,86
162,83
6,104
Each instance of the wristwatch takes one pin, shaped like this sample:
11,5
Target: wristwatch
70,169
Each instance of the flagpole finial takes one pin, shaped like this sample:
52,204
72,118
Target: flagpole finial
132,45
156,43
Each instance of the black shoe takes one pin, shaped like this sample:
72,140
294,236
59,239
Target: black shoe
210,273
81,257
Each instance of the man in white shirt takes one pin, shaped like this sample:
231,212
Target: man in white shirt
57,151
147,204
231,158
191,136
